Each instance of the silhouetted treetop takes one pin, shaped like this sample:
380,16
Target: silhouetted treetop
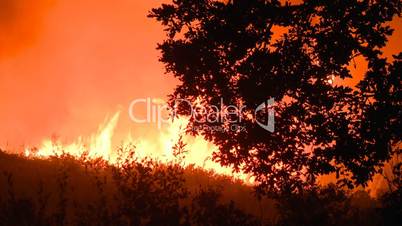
244,52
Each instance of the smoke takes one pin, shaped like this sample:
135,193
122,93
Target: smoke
20,24
66,65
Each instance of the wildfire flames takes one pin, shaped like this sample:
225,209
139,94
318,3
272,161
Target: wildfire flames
99,145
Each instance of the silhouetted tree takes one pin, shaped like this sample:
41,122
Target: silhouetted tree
232,51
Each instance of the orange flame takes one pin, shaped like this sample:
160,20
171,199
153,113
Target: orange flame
99,145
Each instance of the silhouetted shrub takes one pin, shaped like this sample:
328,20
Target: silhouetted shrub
391,210
135,192
207,210
147,192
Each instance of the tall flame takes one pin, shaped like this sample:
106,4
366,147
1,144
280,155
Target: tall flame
100,144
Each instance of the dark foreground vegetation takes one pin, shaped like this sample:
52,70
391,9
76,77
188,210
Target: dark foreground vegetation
65,191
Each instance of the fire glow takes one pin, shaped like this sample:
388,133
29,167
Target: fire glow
100,146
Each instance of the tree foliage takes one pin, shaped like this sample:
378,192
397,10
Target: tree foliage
231,51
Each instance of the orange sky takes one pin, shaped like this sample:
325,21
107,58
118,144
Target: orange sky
66,64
